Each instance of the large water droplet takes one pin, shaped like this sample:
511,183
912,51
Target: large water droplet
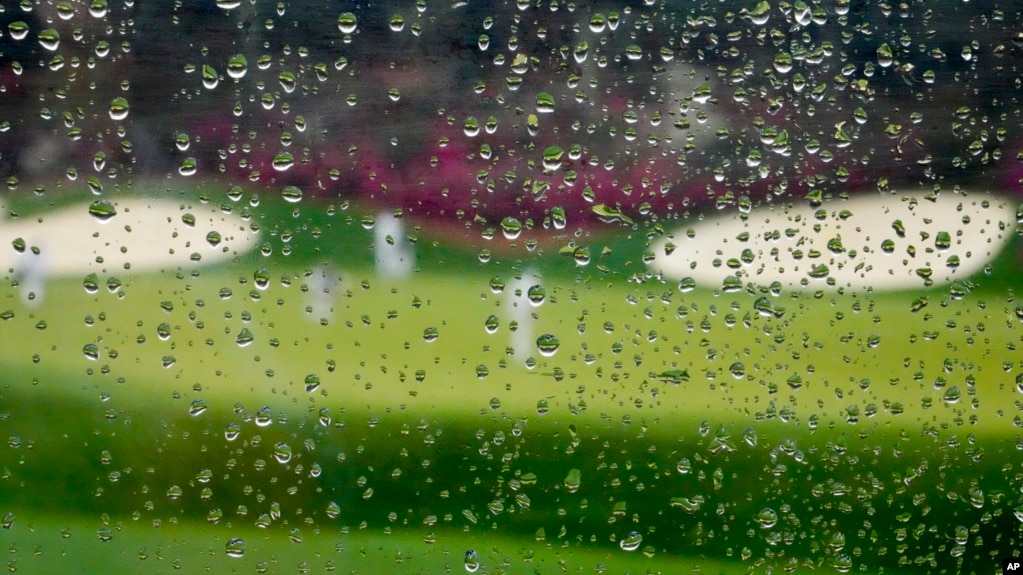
245,337
347,22
573,480
536,294
102,211
235,547
49,39
118,109
472,561
547,344
282,452
631,542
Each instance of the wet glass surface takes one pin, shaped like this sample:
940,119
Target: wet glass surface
535,287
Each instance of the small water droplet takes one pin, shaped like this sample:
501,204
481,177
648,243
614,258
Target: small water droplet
430,334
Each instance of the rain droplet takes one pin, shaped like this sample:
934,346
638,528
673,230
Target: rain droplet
18,30
235,547
265,416
118,109
536,295
491,324
631,542
347,22
333,510
472,561
282,452
91,283
767,517
237,66
48,38
245,337
197,408
573,480
430,334
102,211
261,278
188,167
291,194
312,381
91,351
511,228
210,79
547,344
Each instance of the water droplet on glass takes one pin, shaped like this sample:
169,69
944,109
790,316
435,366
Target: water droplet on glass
767,517
188,167
547,344
18,30
91,351
232,431
282,452
397,23
237,66
536,294
430,334
312,381
291,194
198,407
333,510
264,416
491,324
631,542
245,337
118,109
511,228
49,39
235,547
210,79
261,278
91,283
472,561
102,211
573,480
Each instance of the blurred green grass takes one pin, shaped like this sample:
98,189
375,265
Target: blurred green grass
619,329
69,544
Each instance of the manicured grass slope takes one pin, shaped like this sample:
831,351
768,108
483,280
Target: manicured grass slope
687,462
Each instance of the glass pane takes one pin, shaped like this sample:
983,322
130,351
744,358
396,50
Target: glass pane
530,287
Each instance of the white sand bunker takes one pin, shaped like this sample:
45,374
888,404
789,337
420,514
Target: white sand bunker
136,234
881,241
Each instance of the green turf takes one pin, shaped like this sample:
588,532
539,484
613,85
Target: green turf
865,411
